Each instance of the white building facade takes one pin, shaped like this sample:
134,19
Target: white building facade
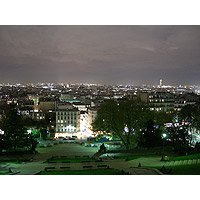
67,121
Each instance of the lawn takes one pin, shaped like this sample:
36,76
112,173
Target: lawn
72,160
189,157
86,172
180,169
5,173
11,161
132,157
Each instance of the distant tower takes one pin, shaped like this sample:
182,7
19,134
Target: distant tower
36,102
160,82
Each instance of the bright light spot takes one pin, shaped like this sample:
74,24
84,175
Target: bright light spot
1,132
126,129
164,135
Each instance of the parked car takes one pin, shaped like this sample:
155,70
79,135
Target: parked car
60,140
72,140
45,143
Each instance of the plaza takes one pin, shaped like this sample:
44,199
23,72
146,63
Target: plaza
37,162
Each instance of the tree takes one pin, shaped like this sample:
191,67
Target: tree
190,115
44,133
151,135
178,131
12,126
109,121
123,119
15,135
135,114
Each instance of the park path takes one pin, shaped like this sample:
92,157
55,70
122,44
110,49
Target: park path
72,150
131,166
183,162
35,167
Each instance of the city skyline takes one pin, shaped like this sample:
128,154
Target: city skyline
96,84
132,55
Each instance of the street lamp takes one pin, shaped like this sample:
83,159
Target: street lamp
164,136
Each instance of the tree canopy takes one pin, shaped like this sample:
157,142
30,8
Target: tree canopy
124,119
135,124
15,135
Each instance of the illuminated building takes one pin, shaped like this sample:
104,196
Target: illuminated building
67,120
92,114
37,115
160,101
80,106
46,105
185,99
69,98
85,132
160,82
1,114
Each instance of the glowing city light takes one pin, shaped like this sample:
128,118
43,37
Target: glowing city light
1,132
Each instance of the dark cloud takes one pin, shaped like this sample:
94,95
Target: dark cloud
100,54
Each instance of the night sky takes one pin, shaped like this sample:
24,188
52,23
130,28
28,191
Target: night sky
100,54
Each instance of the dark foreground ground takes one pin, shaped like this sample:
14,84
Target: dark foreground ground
75,159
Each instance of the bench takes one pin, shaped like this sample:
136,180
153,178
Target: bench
46,169
102,166
85,161
64,167
53,157
87,166
98,161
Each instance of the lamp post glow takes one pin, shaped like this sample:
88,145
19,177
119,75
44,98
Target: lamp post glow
164,136
1,132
